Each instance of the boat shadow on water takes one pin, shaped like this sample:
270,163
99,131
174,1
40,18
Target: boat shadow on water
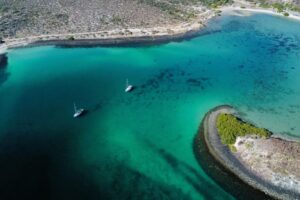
92,109
84,113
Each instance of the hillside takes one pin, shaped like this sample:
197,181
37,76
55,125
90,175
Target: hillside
23,18
20,18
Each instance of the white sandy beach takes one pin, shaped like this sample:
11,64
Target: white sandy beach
259,10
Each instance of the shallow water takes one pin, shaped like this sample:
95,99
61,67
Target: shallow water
139,145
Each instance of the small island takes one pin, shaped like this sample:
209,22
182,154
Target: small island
263,161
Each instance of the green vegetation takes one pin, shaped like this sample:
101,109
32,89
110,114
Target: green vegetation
249,145
216,3
292,7
280,7
178,11
174,8
71,38
232,148
116,19
230,127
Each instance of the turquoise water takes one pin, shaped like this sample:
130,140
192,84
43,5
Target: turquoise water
139,145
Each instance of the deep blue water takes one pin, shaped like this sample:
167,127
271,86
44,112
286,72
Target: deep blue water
139,145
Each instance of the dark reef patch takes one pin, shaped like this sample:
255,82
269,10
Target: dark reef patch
167,80
190,175
128,183
3,60
4,75
29,167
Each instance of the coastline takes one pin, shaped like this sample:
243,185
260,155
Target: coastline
268,11
137,35
228,160
220,174
110,42
115,37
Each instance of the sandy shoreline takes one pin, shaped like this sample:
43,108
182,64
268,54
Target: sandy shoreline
133,35
117,36
114,41
269,11
233,163
219,173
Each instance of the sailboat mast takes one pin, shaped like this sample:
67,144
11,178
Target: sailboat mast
75,109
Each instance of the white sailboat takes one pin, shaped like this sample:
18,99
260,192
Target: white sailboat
128,87
77,112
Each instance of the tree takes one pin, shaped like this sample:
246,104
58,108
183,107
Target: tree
71,38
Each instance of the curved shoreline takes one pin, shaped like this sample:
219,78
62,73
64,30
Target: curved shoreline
115,37
154,35
222,155
108,42
221,175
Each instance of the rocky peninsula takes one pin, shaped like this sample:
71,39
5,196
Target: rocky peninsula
269,164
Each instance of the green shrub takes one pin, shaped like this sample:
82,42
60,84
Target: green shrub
232,148
230,127
116,19
248,145
286,14
71,38
279,7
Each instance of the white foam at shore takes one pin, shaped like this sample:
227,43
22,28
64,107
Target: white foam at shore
259,10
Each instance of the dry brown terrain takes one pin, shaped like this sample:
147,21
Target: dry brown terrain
39,17
275,160
25,18
24,22
271,165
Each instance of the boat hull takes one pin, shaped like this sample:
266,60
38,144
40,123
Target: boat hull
129,88
78,113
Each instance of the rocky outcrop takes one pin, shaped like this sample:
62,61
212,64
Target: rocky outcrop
275,160
270,165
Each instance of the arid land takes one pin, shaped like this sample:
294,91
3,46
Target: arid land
94,19
28,21
268,164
